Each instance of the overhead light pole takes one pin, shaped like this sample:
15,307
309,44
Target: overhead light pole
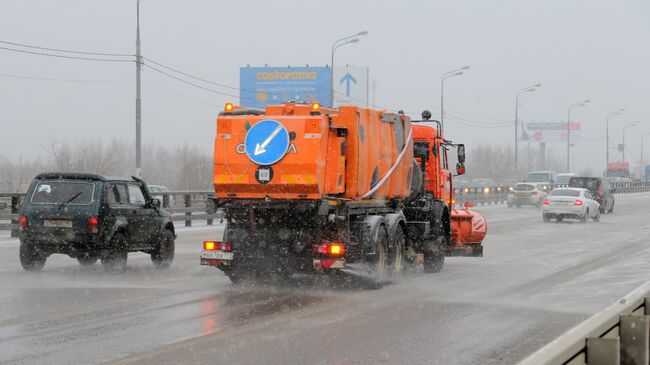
138,103
521,91
341,42
618,112
643,172
444,77
568,131
624,128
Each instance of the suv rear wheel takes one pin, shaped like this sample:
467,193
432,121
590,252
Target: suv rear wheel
116,259
87,260
163,255
31,258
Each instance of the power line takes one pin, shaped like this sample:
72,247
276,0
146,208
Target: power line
68,51
191,83
63,56
180,94
476,125
479,122
191,76
22,77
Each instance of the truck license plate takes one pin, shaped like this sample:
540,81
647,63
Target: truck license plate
216,255
57,223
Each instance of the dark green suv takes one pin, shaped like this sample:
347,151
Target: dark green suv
91,217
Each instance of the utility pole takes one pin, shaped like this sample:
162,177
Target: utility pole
374,92
138,106
568,131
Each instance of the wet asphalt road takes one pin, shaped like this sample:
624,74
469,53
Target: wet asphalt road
535,282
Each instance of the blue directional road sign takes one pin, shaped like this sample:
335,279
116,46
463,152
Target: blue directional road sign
267,142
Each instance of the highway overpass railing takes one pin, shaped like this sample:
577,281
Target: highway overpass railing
499,194
186,206
190,206
620,334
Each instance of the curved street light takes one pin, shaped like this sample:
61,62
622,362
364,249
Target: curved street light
524,90
445,76
568,130
624,128
618,112
338,43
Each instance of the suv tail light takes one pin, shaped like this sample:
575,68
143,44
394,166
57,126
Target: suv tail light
546,201
578,203
23,222
217,246
92,225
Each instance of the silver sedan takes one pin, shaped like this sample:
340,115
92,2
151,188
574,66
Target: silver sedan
573,203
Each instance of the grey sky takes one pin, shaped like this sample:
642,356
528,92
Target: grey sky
579,50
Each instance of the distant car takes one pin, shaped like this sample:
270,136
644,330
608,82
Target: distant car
564,178
599,187
91,217
525,194
573,203
481,183
544,177
156,189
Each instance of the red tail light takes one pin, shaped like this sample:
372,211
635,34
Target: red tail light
92,225
23,222
217,246
545,201
333,249
578,203
533,193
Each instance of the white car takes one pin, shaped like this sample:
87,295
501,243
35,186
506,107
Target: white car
525,194
155,191
575,203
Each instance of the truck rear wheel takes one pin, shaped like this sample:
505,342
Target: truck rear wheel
397,252
434,257
379,261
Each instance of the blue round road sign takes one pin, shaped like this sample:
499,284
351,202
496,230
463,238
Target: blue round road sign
266,142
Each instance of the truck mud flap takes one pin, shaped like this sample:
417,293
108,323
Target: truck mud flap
464,251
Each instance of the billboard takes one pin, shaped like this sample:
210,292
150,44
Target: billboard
261,86
552,131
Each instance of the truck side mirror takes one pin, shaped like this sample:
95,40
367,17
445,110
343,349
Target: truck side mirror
461,154
460,168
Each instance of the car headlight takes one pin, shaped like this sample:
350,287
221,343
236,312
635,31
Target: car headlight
486,190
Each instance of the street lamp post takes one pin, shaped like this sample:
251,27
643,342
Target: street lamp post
568,131
521,91
444,77
618,112
341,42
624,128
645,178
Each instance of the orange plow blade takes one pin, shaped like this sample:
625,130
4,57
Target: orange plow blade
468,229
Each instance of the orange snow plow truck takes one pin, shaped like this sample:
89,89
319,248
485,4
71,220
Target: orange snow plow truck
308,189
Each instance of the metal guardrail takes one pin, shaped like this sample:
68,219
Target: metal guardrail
188,206
187,210
620,334
499,194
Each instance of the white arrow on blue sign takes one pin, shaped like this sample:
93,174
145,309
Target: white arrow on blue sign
266,142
